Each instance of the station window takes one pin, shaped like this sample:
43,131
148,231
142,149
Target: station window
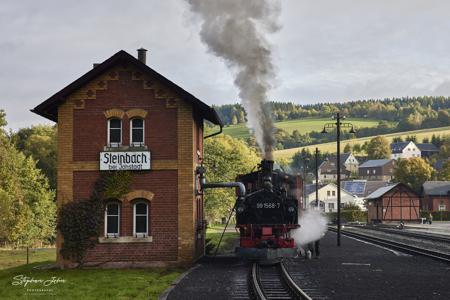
331,205
140,219
112,219
114,132
137,132
333,193
442,207
328,193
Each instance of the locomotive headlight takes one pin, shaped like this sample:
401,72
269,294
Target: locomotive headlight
240,209
291,209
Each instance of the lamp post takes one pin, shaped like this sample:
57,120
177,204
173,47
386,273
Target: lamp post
305,168
338,125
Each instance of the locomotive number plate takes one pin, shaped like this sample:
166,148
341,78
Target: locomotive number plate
268,205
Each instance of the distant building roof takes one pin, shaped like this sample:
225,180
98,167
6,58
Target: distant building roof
436,188
372,186
440,163
398,147
381,191
362,188
427,147
329,166
375,163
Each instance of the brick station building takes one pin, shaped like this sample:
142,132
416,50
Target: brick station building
124,115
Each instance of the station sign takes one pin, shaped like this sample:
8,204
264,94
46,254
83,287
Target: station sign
129,160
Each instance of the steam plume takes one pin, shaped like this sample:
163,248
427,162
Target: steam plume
234,30
313,226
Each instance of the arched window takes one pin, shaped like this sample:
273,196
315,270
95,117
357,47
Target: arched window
112,219
140,219
137,132
114,132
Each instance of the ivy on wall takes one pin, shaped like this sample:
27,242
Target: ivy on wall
80,221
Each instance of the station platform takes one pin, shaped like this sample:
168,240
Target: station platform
355,270
436,227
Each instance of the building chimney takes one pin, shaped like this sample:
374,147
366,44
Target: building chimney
142,55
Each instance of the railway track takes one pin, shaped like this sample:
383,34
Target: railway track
274,282
430,237
397,246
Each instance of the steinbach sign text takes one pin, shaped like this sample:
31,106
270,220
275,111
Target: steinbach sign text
117,161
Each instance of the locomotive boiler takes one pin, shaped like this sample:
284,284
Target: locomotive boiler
268,213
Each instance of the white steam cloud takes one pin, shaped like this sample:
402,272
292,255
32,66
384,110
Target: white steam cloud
234,30
313,226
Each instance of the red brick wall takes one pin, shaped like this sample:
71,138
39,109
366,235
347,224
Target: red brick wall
163,224
435,201
90,124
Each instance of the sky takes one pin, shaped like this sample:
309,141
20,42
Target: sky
325,51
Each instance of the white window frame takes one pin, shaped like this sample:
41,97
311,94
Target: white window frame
131,133
140,234
442,207
112,235
109,131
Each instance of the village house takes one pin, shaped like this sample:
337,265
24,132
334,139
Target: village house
404,150
361,188
436,196
328,168
123,115
377,169
427,149
327,195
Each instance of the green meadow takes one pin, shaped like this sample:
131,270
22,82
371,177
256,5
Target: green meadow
302,125
331,147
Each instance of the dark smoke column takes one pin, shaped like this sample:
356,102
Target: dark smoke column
234,30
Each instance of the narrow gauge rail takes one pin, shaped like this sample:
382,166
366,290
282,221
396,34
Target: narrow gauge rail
397,246
274,282
430,237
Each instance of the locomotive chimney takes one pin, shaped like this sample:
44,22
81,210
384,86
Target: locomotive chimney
267,169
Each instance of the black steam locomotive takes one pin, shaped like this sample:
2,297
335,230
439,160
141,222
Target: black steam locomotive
267,213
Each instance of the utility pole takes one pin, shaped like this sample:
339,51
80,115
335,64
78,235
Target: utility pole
317,177
338,125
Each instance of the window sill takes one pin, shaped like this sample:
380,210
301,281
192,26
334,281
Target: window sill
124,239
125,148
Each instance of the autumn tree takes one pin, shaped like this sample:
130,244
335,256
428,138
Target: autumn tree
347,148
413,172
378,148
39,142
225,158
444,173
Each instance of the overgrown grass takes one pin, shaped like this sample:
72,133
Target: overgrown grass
331,147
13,258
229,242
302,125
80,283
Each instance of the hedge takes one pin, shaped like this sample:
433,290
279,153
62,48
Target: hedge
349,215
437,215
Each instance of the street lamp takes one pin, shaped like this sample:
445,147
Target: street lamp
338,125
305,167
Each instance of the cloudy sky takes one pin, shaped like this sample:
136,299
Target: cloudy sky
325,51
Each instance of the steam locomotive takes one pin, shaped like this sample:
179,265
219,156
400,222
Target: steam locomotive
268,213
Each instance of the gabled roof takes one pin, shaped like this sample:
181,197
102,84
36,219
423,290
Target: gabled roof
375,163
381,191
384,190
329,184
398,147
427,147
436,188
49,108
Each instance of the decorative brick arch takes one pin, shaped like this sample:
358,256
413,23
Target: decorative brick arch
143,194
114,113
136,112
